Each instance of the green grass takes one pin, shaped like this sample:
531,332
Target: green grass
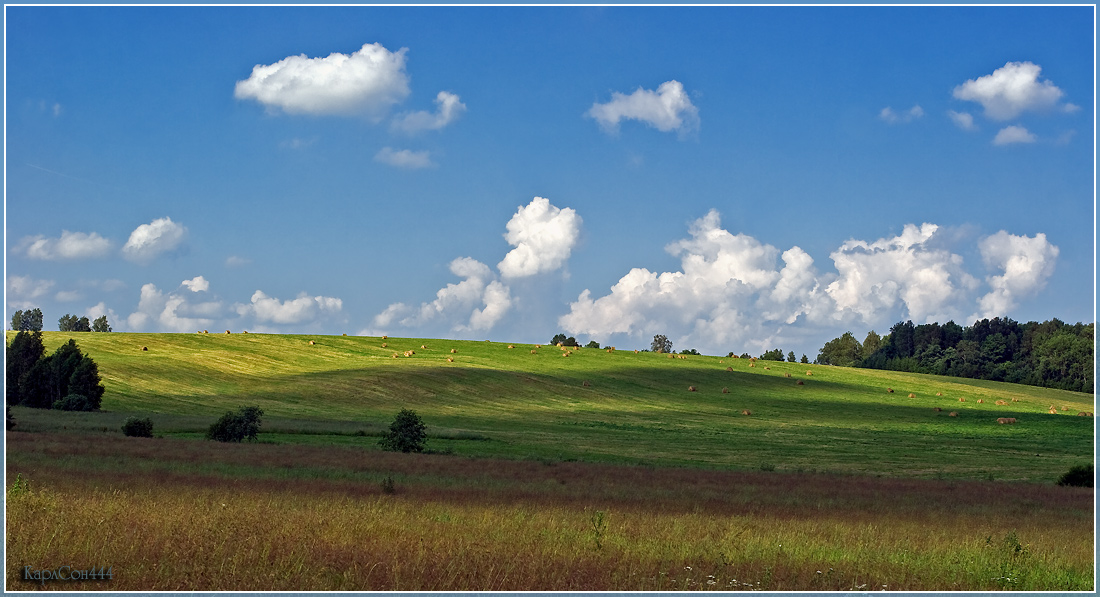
637,408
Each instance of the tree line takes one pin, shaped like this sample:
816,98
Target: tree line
31,321
68,379
1050,354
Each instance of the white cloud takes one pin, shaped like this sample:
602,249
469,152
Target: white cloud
963,120
367,82
450,108
172,312
23,291
543,236
1011,90
474,304
405,158
71,245
68,296
874,278
667,109
237,261
197,284
1013,134
303,309
151,240
99,310
1027,263
889,115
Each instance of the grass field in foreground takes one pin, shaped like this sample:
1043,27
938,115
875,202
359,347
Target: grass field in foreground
496,401
177,514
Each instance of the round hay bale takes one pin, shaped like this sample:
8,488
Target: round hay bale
395,355
1065,408
345,335
1015,399
889,390
534,351
205,332
538,346
1082,414
725,390
246,331
939,393
786,375
450,359
565,354
671,356
962,399
937,409
454,351
752,364
509,346
767,368
227,331
1053,411
809,373
729,368
752,359
691,388
559,344
747,412
912,395
423,346
585,384
144,348
385,337
800,383
384,344
952,414
311,342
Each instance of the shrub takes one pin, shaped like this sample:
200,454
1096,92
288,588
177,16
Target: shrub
592,344
237,426
135,427
407,433
1078,476
77,402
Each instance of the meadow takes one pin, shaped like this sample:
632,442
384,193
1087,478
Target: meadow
537,481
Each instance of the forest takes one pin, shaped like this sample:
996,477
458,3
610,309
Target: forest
1050,354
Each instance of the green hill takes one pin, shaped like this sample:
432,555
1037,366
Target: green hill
593,405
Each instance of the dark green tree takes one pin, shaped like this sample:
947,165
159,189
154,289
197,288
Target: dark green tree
1079,476
101,325
661,343
23,353
804,360
844,351
565,341
870,344
135,427
592,344
689,351
407,433
86,382
775,354
790,357
27,321
237,426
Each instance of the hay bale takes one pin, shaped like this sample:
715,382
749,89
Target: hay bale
586,384
962,399
454,351
800,383
939,393
227,332
1082,414
509,346
752,359
786,375
144,348
889,390
671,356
1001,403
311,342
729,368
246,331
747,412
559,343
767,368
533,351
752,364
691,388
345,335
1065,408
952,414
937,409
538,346
395,355
1053,411
736,356
384,344
912,395
1015,399
423,346
1002,421
809,373
450,359
385,337
205,332
981,401
725,390
565,354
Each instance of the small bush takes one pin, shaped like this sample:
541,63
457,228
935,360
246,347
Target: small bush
77,402
388,486
407,433
237,426
1078,476
135,427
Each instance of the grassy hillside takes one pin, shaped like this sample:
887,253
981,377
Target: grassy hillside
499,401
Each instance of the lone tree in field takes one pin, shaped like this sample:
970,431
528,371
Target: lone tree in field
407,433
237,426
661,343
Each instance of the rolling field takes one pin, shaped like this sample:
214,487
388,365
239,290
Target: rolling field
538,481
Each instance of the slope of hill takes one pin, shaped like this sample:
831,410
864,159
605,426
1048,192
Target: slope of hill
594,405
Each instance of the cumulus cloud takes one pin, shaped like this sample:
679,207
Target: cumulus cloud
889,115
158,311
667,109
963,120
1012,90
23,291
405,158
474,304
449,109
237,261
149,241
1013,134
303,309
68,296
100,309
196,284
71,245
1026,263
908,269
367,82
543,236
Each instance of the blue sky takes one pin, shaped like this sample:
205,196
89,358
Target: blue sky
736,178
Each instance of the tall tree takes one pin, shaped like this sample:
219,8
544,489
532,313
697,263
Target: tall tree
25,350
27,321
844,351
661,343
790,357
101,325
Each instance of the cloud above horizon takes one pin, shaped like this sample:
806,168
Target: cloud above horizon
543,236
70,246
1011,135
891,117
149,241
368,82
667,109
1011,90
404,158
265,309
450,107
